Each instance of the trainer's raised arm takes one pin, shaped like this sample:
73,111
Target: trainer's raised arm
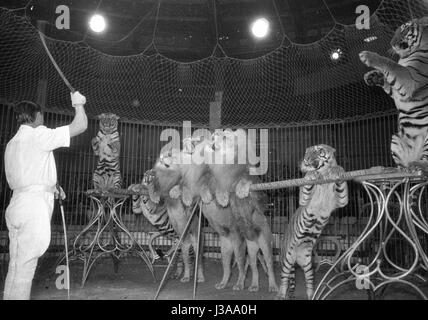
80,121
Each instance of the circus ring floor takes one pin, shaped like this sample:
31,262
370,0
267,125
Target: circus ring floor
133,281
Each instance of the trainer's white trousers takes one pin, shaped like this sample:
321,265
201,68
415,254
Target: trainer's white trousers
28,219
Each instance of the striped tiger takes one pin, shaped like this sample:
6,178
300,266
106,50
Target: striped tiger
407,83
317,202
157,215
106,146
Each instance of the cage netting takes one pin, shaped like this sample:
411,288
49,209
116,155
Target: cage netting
293,83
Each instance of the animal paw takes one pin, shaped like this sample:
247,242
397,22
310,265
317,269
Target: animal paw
238,287
313,175
280,296
253,288
405,169
273,288
148,177
418,166
220,285
243,188
175,192
154,196
187,196
206,195
370,59
200,279
135,187
374,78
336,172
222,198
185,279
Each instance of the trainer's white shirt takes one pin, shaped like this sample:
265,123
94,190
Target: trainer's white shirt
29,159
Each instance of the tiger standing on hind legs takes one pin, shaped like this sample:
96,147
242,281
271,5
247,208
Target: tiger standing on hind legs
407,83
106,145
317,202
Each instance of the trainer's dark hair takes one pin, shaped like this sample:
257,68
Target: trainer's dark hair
26,111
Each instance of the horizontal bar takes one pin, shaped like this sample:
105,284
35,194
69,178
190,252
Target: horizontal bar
374,173
371,174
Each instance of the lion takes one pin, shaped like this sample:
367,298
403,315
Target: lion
166,178
190,179
230,182
199,181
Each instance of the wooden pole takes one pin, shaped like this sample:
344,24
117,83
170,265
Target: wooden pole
359,175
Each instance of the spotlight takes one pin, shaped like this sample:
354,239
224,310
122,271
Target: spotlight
97,23
336,54
260,28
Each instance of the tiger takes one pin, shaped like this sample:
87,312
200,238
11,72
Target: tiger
407,83
106,145
317,202
157,215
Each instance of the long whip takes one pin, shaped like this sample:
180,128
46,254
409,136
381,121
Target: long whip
67,83
65,242
61,74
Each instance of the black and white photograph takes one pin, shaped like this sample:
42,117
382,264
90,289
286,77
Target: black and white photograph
214,154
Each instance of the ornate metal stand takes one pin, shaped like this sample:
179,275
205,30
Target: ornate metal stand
404,192
335,240
105,233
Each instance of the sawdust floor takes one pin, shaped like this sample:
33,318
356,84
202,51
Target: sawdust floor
134,281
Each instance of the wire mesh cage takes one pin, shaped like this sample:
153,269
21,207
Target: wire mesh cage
295,91
141,147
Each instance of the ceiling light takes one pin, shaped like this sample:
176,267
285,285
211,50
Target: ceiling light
336,54
97,23
260,28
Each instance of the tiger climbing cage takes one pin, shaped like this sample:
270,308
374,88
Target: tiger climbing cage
294,90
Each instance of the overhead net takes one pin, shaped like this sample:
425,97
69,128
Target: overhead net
292,83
